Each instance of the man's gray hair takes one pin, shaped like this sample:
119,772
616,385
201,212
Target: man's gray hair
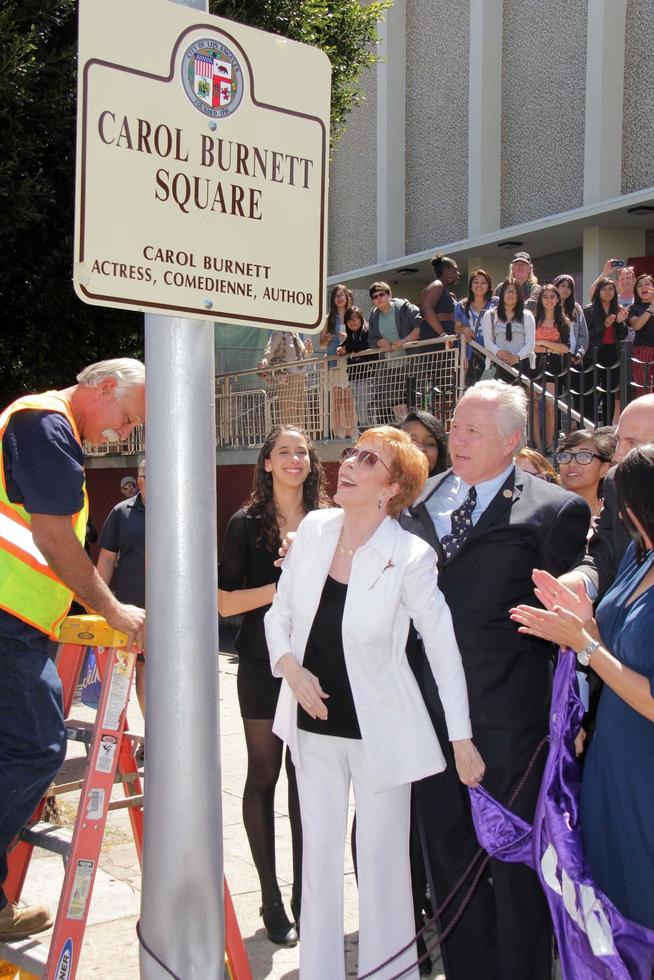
141,467
511,403
128,372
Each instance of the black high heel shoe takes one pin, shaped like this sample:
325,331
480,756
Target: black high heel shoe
296,905
279,927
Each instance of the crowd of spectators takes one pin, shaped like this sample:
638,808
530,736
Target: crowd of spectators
535,334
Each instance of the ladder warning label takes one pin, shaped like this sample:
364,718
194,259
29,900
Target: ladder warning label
117,700
95,808
81,888
106,753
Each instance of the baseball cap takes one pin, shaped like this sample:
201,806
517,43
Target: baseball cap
522,257
127,481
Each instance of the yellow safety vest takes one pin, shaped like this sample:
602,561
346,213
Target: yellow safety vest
29,589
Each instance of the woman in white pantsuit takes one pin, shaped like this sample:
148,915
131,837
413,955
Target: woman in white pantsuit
349,706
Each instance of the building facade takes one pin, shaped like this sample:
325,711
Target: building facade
492,126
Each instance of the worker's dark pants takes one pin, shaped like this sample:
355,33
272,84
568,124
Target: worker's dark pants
32,738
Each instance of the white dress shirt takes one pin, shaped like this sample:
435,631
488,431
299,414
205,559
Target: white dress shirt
453,491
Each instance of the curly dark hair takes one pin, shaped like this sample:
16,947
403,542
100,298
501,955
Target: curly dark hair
261,502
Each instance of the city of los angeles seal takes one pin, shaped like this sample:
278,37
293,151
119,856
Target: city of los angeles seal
212,78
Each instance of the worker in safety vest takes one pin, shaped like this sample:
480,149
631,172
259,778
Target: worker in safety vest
43,514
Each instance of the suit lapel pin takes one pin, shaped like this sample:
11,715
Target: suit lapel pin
389,564
507,493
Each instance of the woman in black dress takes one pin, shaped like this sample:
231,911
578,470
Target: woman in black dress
288,483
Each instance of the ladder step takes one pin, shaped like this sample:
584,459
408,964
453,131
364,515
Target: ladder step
27,954
124,804
78,730
126,777
49,837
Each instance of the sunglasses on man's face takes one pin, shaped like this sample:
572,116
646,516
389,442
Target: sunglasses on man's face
379,295
365,457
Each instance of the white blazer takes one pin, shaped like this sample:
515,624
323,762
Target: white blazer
393,580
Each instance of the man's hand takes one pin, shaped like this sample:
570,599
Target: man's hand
54,537
580,739
469,764
130,620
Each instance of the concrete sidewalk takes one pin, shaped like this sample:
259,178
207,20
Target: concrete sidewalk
111,947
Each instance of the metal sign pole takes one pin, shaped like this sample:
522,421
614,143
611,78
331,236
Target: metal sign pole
182,906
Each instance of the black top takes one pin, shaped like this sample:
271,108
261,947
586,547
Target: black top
595,322
247,564
124,534
445,304
356,341
645,336
324,657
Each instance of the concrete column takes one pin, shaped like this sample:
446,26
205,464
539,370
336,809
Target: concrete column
601,244
604,95
391,170
484,116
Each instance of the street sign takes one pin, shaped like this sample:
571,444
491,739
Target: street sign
202,155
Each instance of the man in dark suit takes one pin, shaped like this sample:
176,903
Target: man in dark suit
611,539
491,525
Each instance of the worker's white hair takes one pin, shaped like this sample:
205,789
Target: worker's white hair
128,372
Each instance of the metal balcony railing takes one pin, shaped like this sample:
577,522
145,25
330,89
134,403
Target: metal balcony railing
336,397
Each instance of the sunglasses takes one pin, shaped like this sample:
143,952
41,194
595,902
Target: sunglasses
365,457
584,457
378,295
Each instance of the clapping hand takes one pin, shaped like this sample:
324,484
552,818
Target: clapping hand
552,593
567,618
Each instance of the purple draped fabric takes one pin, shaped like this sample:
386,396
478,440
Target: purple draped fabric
594,939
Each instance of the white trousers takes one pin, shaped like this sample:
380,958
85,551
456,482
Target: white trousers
385,902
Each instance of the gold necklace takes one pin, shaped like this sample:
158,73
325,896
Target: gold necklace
343,550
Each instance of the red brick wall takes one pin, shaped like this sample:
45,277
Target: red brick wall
233,486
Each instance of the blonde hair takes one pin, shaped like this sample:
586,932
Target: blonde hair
408,465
